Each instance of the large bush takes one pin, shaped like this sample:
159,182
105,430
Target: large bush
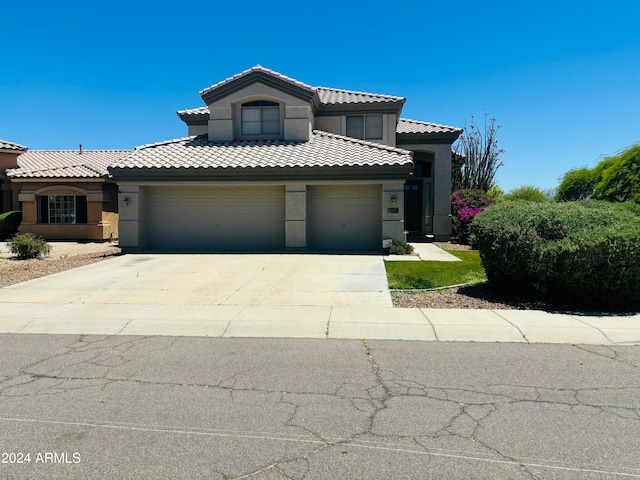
582,253
27,245
9,223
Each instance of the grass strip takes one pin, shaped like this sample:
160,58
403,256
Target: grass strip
434,274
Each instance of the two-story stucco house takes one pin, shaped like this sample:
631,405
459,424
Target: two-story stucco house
273,164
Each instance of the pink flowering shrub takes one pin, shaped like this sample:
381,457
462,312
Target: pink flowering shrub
465,205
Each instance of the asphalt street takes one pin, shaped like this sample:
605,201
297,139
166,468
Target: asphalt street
228,408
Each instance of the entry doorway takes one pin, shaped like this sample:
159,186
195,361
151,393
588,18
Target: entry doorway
413,195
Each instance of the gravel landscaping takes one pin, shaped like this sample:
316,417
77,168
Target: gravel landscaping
64,256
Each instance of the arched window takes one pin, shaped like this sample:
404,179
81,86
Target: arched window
260,117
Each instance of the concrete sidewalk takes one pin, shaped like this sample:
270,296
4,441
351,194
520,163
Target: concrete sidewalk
295,296
353,322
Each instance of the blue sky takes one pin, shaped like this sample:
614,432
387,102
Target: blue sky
562,78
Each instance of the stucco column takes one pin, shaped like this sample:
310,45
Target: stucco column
442,192
130,201
393,211
295,217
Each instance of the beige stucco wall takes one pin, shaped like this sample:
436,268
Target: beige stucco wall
225,124
131,207
333,124
338,124
8,160
102,210
392,220
195,130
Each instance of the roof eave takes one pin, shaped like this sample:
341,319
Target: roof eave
426,138
194,118
103,179
319,173
213,94
356,108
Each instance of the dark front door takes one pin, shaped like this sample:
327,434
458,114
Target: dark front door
413,206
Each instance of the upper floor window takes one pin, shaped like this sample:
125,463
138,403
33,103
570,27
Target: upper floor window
364,127
260,117
62,209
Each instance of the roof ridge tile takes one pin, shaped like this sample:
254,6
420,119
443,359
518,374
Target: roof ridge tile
165,142
357,92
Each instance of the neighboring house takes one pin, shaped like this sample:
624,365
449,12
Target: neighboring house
67,194
274,164
9,153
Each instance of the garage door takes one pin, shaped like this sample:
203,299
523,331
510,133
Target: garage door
345,218
216,219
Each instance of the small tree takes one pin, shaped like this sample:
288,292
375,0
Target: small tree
476,157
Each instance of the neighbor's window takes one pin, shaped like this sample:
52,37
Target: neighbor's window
364,127
62,209
260,117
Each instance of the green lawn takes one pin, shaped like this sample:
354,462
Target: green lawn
409,275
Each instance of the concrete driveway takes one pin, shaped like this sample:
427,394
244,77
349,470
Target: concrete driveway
186,279
281,295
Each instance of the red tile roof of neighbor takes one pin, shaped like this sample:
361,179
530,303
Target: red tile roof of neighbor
4,145
65,163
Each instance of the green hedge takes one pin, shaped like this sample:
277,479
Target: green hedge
581,253
9,223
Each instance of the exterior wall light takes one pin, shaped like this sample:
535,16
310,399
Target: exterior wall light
126,201
392,200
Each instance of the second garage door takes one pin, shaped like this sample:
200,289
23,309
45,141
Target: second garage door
345,218
216,219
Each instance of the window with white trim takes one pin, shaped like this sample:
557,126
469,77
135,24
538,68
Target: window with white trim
260,117
364,127
62,209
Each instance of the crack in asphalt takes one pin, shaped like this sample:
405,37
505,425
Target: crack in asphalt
88,363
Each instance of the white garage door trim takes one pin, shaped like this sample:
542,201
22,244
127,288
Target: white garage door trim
235,218
345,217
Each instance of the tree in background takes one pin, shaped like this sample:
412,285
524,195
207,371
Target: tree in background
616,179
576,184
476,157
528,193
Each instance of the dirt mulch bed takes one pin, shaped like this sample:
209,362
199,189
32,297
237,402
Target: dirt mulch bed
482,296
63,257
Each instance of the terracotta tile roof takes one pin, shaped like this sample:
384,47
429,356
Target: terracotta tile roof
257,68
333,96
65,163
12,146
415,126
322,150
